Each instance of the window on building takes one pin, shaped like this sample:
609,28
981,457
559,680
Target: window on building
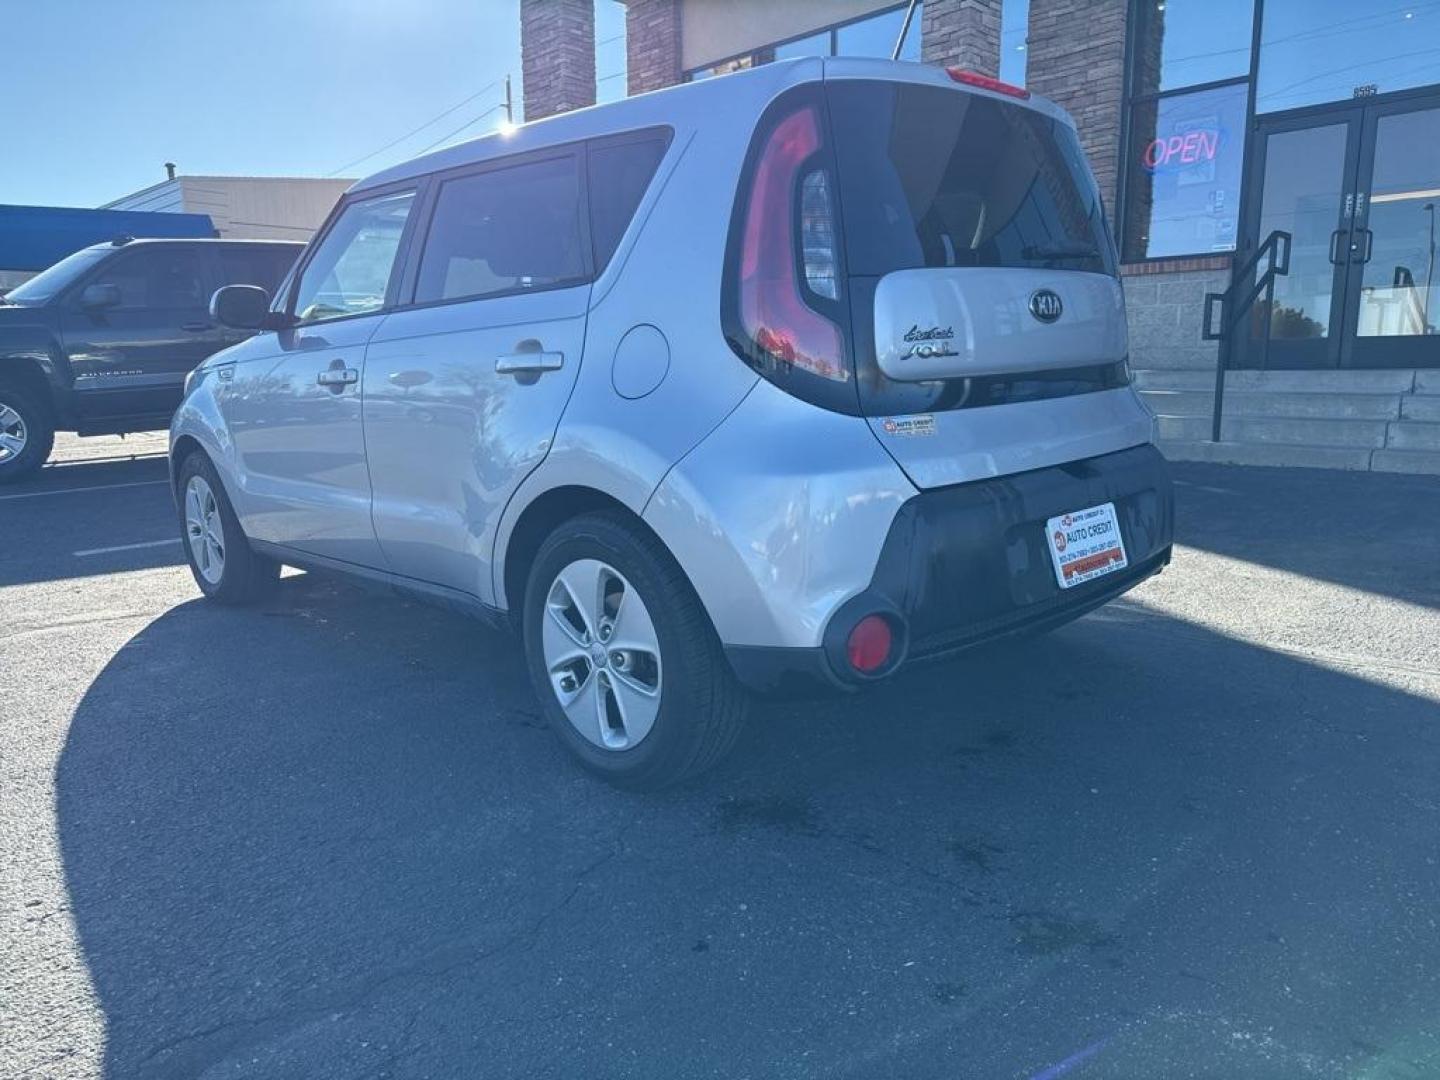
1014,36
506,230
1185,149
1314,51
611,65
873,35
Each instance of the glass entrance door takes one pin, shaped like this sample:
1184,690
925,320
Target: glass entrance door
1358,190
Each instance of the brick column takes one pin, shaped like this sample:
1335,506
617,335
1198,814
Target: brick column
557,55
962,33
1076,57
652,44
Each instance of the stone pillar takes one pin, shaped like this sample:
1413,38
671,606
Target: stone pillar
1076,57
557,55
963,33
652,44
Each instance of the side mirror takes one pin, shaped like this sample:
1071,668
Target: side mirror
95,297
245,307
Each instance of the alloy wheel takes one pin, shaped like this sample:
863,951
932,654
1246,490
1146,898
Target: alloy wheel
13,435
602,654
204,531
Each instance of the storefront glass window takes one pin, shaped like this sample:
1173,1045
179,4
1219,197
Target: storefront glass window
1314,51
1014,30
1183,177
871,36
1182,43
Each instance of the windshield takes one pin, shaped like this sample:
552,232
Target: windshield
48,283
933,177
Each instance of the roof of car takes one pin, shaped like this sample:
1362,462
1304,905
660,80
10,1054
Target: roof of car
742,94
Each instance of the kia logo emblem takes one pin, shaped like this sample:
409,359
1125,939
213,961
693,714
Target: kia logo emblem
1045,305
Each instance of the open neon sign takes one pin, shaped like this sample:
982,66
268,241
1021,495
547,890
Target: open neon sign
1181,150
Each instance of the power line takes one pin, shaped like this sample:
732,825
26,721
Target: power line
440,116
462,127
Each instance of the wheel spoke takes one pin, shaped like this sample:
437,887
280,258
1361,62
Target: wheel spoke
636,703
582,580
12,444
562,643
584,706
633,628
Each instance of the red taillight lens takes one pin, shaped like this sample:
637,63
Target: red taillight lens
773,313
869,644
985,82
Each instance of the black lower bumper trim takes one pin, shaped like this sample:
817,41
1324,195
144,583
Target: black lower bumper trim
967,564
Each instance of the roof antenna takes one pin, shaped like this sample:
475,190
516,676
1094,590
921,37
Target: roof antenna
904,31
169,170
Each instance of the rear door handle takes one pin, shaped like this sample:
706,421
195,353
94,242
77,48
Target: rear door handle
524,363
338,377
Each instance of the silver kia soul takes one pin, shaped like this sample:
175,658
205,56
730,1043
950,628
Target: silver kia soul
768,382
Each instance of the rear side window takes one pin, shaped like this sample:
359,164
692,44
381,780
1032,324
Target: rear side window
507,230
619,174
933,177
264,267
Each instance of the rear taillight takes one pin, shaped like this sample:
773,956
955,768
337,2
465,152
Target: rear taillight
986,82
774,314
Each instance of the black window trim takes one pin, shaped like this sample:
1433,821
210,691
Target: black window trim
291,286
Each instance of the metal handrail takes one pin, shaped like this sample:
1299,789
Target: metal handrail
1233,308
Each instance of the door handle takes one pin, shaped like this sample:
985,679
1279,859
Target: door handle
196,327
1368,248
529,363
338,377
1335,246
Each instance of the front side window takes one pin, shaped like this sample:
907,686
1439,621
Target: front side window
512,229
1186,158
159,277
349,273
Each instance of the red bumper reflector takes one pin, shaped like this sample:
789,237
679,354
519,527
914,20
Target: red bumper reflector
985,82
868,646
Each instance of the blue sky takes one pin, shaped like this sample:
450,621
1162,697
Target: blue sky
103,92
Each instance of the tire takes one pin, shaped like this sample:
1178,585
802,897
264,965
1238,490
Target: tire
25,423
696,708
221,559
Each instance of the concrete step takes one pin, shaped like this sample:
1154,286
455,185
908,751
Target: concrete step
1157,379
1413,435
1427,381
1420,407
1323,382
1424,462
1232,453
1275,404
1287,431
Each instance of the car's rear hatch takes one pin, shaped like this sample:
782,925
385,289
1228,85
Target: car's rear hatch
988,324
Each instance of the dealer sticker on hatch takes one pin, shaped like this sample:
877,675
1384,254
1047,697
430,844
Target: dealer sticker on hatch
1085,544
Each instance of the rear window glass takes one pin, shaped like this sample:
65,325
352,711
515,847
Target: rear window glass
506,230
619,174
935,177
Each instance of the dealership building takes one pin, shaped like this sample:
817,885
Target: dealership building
1280,157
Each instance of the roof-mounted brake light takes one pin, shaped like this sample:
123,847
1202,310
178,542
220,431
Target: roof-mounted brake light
985,82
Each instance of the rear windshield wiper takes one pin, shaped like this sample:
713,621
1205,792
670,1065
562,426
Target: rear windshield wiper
1053,252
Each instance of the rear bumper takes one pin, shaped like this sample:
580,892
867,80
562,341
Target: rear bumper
968,564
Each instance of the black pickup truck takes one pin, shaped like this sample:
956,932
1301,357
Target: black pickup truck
101,342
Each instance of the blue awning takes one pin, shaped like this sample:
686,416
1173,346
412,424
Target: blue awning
34,237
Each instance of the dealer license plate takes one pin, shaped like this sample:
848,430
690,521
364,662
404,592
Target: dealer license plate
1085,544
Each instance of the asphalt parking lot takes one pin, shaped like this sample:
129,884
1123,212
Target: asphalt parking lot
1196,834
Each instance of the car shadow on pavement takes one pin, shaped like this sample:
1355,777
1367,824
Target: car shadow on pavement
1370,531
331,837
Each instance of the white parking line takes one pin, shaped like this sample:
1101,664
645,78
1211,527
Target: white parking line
76,491
125,547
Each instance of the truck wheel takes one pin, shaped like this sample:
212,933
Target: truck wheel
27,434
623,658
220,557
